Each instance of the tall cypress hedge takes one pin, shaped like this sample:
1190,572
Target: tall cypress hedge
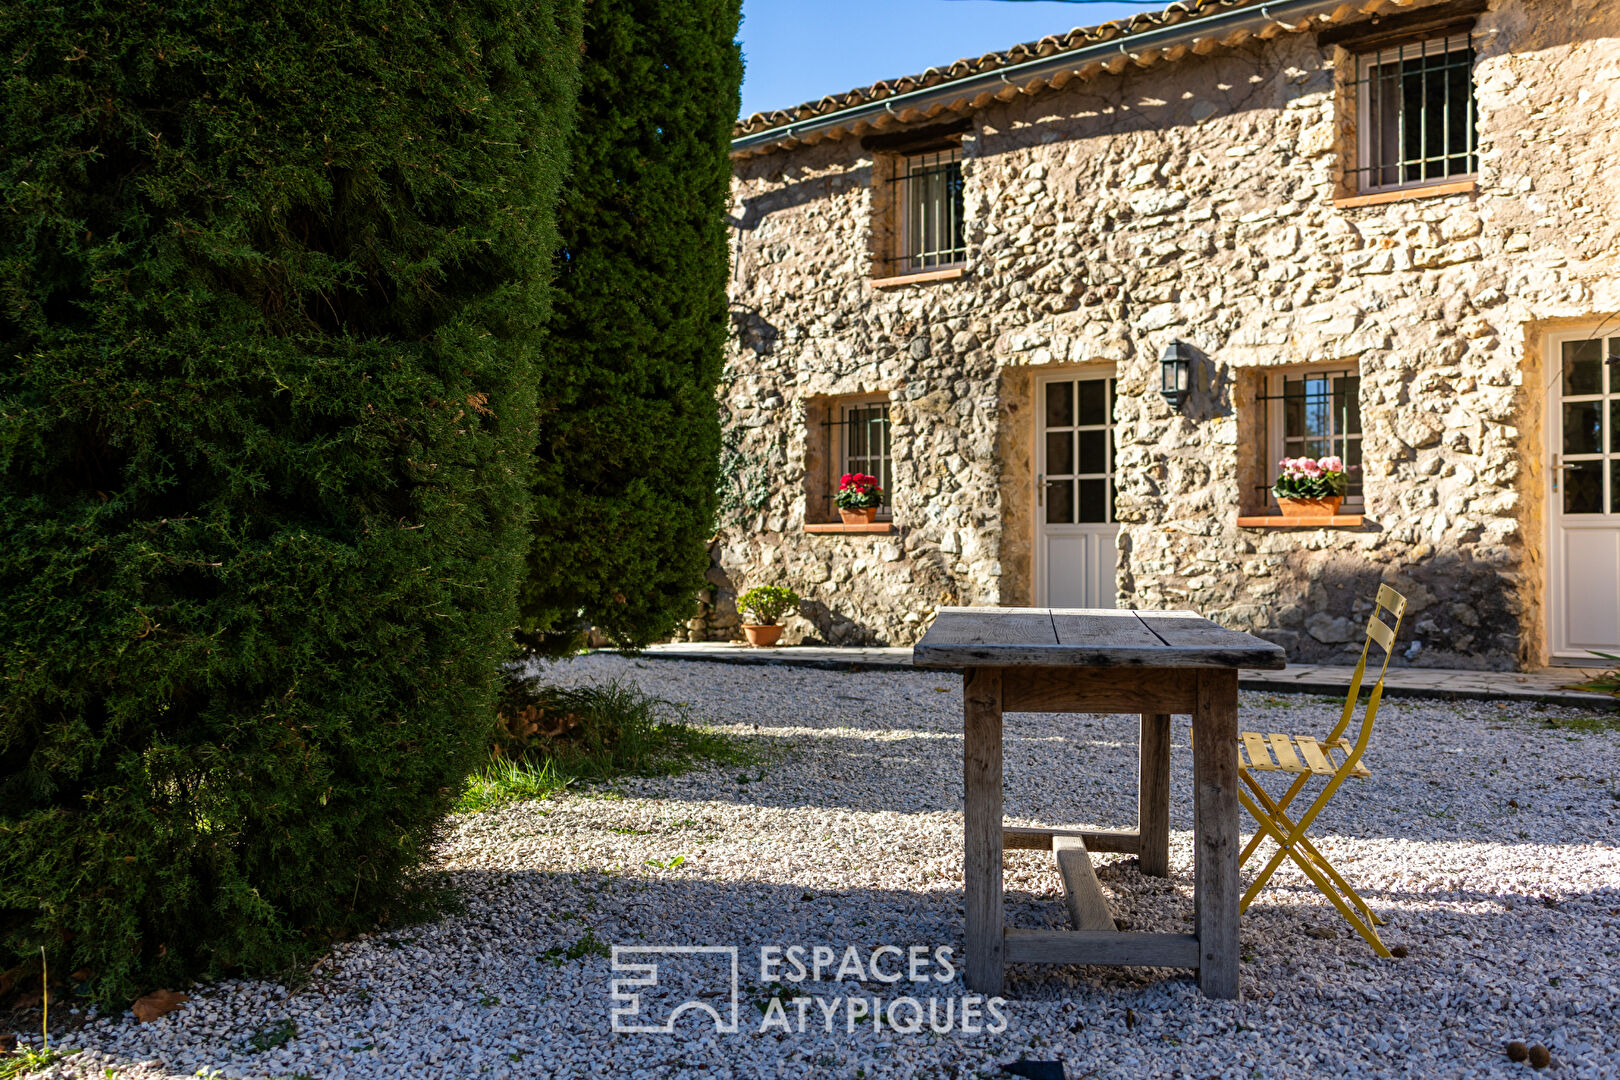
272,276
630,435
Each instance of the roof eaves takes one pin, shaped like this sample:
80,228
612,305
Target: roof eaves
1038,65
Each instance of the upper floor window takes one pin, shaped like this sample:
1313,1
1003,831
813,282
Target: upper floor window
931,232
1316,414
1416,121
918,206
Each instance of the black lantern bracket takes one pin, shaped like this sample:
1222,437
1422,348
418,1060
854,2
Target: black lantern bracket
1177,364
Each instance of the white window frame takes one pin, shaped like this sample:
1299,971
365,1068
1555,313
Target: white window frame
1366,167
844,406
1277,420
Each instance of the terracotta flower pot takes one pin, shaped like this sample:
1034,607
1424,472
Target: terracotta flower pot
864,516
762,636
1310,507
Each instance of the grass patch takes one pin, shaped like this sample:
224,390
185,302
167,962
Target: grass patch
26,1060
273,1036
1606,683
589,945
549,737
1587,722
506,780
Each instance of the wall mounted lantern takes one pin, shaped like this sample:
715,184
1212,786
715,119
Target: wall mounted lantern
1175,372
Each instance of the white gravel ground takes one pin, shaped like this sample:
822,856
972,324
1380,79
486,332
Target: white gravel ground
1487,836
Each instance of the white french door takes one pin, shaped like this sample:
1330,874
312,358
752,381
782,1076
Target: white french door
1074,491
1584,497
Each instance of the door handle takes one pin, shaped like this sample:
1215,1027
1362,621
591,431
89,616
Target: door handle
1040,489
1557,470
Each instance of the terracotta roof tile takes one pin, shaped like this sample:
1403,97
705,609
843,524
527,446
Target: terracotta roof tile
1046,46
1178,12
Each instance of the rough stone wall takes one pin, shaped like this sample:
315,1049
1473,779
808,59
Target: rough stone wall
1189,201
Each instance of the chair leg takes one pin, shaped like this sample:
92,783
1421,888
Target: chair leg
1292,843
1326,888
1338,880
1267,828
1328,869
1286,825
1286,799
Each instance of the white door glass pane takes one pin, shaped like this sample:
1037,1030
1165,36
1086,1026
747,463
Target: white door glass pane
1584,575
1076,548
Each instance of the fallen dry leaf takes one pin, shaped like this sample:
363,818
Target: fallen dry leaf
157,1003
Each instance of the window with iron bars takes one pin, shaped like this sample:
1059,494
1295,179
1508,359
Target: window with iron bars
861,433
1313,414
1417,114
931,235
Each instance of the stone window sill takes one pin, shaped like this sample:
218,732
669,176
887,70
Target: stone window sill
920,278
875,528
1277,521
1428,191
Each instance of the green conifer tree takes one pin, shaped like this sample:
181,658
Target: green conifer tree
272,278
629,429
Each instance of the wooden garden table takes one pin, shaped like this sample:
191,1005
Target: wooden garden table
1154,663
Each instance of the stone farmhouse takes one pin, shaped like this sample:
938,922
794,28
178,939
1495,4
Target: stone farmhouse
1383,229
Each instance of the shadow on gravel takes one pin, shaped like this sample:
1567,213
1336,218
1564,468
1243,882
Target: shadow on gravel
1077,770
1289,925
527,967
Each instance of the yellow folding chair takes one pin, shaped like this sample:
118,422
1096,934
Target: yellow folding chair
1335,758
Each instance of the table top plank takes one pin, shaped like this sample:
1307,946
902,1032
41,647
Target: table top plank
996,626
1092,627
1046,637
1189,630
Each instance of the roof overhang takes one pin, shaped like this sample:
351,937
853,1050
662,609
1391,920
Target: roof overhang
1179,31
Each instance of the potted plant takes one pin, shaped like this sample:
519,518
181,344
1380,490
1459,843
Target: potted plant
858,498
1307,487
760,607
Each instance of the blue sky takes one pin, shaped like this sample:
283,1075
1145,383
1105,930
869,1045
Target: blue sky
798,50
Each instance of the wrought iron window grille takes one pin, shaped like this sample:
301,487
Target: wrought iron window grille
1416,114
1315,414
860,442
928,193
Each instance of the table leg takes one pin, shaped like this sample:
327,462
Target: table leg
1215,832
1153,796
981,865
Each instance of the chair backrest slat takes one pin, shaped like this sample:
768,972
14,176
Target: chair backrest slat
1380,633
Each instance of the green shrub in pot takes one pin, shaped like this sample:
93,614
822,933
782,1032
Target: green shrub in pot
764,604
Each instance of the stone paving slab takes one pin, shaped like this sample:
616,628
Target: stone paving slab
1548,685
832,657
